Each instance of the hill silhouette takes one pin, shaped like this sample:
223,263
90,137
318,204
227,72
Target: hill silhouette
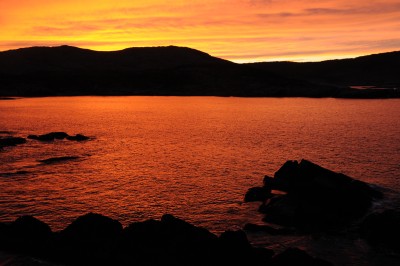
67,70
378,70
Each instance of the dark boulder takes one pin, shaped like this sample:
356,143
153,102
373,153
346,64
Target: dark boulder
78,137
11,141
49,136
28,227
26,234
316,197
268,182
90,239
92,227
295,256
309,178
257,194
382,229
235,249
170,241
234,240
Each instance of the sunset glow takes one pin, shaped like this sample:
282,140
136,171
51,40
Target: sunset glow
237,30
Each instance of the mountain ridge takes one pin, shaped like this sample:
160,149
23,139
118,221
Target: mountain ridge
379,70
165,70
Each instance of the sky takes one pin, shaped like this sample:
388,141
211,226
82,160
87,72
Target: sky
237,30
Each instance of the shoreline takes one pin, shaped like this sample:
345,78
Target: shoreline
100,240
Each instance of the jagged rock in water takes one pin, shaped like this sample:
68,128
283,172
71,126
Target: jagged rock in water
11,141
257,194
78,137
382,229
316,197
49,136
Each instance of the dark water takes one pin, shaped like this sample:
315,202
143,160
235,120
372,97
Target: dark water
194,157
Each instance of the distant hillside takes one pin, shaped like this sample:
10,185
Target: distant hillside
380,70
66,70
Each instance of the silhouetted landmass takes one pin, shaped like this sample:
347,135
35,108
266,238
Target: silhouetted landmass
66,70
316,198
94,239
378,70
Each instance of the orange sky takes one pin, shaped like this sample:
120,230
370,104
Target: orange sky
237,30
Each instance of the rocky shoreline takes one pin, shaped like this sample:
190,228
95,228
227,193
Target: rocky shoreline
306,198
302,198
94,239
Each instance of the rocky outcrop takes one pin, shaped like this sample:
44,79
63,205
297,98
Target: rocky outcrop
78,137
49,136
315,198
58,135
11,141
94,239
26,234
382,229
258,194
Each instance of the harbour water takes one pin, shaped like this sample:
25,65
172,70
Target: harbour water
193,157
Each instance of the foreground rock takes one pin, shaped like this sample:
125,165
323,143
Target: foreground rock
316,198
382,229
11,141
94,239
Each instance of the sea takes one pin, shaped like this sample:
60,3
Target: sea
195,158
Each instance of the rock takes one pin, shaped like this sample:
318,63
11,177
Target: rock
267,229
257,194
234,240
235,249
186,233
282,210
58,159
316,197
26,234
295,256
92,227
94,239
170,241
11,141
306,177
78,137
90,239
49,136
28,227
382,229
268,182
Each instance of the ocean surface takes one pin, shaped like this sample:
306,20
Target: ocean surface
193,157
